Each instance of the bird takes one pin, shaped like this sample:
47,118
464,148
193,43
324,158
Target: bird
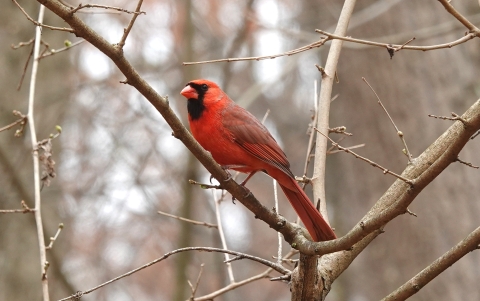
239,141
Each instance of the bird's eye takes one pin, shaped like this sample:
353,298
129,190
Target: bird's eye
204,87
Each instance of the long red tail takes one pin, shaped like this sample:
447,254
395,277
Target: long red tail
311,218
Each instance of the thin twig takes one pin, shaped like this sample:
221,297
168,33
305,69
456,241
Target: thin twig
467,163
279,235
411,212
189,220
282,278
385,170
194,288
25,66
204,186
454,117
40,23
266,57
399,133
271,265
82,6
332,151
339,130
130,25
385,45
35,155
25,209
22,44
222,235
310,127
235,285
22,121
55,51
265,116
53,239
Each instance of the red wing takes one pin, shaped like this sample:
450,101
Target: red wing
254,137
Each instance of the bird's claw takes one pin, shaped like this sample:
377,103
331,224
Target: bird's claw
248,194
229,175
226,168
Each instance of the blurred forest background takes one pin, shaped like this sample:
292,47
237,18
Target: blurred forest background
117,163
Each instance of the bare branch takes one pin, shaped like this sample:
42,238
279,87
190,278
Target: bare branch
222,235
22,44
399,133
53,239
189,220
467,163
82,6
266,57
130,25
235,285
339,130
385,170
469,25
55,51
205,186
194,288
411,287
22,121
25,209
36,166
270,264
310,128
463,39
40,23
279,235
454,118
332,151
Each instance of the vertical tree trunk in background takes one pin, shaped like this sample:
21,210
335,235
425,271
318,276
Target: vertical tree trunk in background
191,166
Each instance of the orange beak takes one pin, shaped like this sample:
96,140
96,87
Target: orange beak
188,92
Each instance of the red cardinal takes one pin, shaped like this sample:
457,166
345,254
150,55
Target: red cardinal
238,141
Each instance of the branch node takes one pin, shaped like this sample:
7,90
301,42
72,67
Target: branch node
391,50
322,70
339,130
45,269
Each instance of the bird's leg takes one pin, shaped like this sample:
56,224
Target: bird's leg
226,167
248,178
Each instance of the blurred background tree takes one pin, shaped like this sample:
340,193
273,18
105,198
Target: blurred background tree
117,163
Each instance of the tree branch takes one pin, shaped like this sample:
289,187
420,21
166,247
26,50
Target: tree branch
270,264
449,7
463,39
413,286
